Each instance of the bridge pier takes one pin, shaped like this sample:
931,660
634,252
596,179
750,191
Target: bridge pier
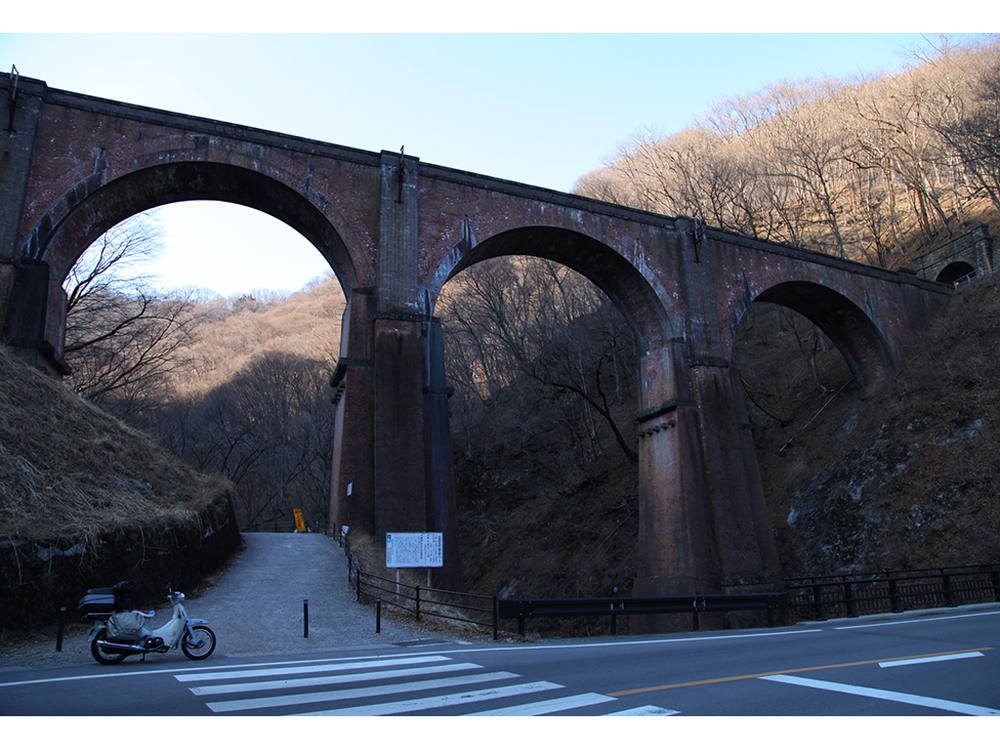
743,542
34,314
395,435
353,477
675,549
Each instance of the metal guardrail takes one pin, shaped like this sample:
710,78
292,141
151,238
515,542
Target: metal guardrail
615,607
424,600
816,597
855,594
962,280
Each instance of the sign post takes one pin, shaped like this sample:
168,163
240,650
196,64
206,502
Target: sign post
414,550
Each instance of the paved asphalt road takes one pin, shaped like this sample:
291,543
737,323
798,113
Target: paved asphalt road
945,663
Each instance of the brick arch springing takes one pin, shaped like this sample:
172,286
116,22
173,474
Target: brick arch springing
866,350
88,211
613,274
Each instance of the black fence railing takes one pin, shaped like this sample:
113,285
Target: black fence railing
772,604
855,594
424,601
814,597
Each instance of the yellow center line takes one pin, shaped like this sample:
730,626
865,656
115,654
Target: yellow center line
713,680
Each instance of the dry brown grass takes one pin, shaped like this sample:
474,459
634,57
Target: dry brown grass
67,467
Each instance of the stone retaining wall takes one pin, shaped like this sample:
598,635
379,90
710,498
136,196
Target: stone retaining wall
37,577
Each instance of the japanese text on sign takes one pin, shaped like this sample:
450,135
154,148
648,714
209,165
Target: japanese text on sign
414,550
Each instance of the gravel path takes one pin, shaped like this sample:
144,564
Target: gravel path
256,608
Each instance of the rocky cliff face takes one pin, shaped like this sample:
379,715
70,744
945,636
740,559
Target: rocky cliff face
907,478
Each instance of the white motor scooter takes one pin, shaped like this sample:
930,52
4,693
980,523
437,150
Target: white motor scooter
124,633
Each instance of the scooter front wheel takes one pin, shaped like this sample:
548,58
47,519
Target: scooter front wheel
102,656
201,645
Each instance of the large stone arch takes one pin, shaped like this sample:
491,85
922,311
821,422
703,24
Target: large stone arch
613,274
675,551
866,349
89,210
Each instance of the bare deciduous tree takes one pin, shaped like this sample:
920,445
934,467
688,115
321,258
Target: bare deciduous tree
535,321
122,340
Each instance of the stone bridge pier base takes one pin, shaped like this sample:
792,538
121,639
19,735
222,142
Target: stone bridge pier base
392,469
702,519
676,554
33,314
352,484
414,491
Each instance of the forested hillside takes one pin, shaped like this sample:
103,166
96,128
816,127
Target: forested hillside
877,171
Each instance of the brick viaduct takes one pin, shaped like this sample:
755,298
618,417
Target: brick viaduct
394,231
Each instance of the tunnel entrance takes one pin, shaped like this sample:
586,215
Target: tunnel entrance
953,272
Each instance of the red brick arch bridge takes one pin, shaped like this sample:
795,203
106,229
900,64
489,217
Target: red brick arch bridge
394,230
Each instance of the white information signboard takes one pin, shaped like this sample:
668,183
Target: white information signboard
414,550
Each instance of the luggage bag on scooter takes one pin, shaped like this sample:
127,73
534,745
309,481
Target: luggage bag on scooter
126,627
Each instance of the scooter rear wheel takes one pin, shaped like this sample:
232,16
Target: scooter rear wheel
102,656
201,646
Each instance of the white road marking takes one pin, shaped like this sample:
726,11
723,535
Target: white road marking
438,701
540,708
928,659
367,692
929,618
646,711
178,670
314,668
886,695
335,679
490,649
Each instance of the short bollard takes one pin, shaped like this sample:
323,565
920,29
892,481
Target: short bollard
305,618
62,626
378,615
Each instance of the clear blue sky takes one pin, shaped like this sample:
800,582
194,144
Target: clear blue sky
537,108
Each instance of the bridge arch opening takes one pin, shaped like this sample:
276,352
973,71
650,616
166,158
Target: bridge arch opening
543,332
63,235
238,370
806,358
866,351
955,271
608,270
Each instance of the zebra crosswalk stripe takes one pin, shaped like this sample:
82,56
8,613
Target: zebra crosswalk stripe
353,673
338,667
646,711
547,707
437,701
367,692
334,679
